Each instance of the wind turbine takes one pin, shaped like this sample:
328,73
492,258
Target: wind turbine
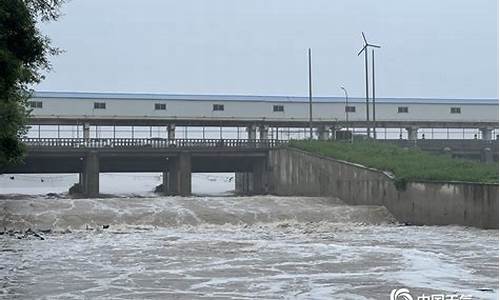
365,49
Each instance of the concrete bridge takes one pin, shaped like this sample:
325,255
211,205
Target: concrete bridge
176,159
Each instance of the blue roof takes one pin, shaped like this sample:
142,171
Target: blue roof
190,97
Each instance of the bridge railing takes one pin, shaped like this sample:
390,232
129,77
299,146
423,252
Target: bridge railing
150,143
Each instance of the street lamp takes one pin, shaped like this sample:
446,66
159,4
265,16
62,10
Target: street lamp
346,104
346,109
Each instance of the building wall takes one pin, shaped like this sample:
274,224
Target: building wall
259,110
294,172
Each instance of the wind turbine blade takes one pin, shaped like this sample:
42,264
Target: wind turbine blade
364,38
361,51
374,46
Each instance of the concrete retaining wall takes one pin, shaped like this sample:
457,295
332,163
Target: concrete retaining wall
295,172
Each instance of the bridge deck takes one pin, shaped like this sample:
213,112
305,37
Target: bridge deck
68,155
177,158
232,122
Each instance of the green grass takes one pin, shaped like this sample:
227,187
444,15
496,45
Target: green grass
405,164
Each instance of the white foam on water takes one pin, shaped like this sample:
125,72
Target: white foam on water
241,261
262,247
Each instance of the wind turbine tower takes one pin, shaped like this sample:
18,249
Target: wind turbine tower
365,50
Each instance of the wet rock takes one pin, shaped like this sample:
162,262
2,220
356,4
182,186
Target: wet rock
37,235
54,196
485,289
33,233
159,189
105,226
7,250
76,189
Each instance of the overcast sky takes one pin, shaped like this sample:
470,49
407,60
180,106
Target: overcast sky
430,48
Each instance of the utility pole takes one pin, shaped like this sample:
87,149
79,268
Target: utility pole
373,94
366,93
310,98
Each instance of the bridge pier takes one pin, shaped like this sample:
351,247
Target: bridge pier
254,182
252,132
179,175
89,178
171,132
86,130
264,132
336,131
323,133
259,177
412,133
243,183
165,190
486,133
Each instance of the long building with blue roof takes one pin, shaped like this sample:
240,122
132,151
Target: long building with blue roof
150,109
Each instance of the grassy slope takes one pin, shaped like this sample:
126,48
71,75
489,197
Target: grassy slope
405,164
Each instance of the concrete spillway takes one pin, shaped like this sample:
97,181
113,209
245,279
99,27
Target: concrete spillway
295,172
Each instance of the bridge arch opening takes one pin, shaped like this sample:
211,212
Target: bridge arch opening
113,184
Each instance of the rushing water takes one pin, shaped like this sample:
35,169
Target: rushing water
227,247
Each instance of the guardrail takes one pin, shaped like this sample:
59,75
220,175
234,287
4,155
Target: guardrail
150,143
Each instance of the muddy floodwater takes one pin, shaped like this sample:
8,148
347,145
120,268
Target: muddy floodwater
228,247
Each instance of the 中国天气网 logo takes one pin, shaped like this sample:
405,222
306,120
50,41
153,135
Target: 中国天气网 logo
404,294
401,294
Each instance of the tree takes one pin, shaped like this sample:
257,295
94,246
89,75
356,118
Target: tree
24,56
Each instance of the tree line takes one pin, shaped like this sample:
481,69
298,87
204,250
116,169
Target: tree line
24,60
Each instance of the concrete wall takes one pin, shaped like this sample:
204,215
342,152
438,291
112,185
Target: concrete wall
294,172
